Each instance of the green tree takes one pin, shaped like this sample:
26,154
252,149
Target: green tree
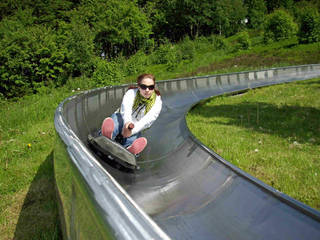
179,18
156,13
48,12
279,25
309,28
256,13
107,73
30,58
9,7
229,16
276,4
242,41
119,26
77,38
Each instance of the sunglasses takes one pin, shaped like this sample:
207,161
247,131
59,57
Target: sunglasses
144,87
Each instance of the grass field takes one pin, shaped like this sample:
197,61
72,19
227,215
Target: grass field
28,208
273,133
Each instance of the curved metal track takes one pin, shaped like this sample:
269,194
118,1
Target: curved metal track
183,190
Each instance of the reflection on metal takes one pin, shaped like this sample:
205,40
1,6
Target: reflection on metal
183,189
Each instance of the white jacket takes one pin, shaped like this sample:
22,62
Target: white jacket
142,120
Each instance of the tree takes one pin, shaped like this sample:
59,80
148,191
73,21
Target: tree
173,19
119,26
77,39
228,17
197,18
276,4
279,25
31,57
48,12
8,7
309,29
256,13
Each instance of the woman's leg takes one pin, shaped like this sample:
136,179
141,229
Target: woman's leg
107,127
112,126
118,124
138,145
128,141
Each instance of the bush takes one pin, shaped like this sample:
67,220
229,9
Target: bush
136,63
242,41
120,27
202,44
218,42
77,38
309,29
159,56
187,49
149,46
173,59
279,25
30,59
107,73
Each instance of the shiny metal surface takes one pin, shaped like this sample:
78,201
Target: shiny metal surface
183,190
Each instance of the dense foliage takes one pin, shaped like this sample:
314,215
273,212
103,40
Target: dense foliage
47,43
279,25
309,26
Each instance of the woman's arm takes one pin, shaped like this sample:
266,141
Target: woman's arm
126,106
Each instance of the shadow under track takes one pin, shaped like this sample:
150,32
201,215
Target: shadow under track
39,218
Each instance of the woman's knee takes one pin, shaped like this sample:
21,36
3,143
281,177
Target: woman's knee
130,140
118,123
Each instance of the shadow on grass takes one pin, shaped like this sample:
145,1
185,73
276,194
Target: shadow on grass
39,218
315,83
295,123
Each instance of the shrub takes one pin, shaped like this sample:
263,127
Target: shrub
279,25
172,59
159,56
136,63
218,42
187,49
30,59
202,44
149,46
256,13
77,38
107,73
242,41
120,27
309,29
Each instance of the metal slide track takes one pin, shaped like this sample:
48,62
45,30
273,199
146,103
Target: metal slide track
183,190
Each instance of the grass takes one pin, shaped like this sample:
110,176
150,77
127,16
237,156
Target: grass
273,133
260,56
28,207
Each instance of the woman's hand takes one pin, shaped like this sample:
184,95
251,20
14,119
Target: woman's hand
127,130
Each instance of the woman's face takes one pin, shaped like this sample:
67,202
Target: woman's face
144,87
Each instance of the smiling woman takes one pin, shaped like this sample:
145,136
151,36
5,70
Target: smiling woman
140,107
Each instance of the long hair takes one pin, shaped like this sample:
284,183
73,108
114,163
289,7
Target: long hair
143,76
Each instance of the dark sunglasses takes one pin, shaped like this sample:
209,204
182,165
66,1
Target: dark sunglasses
144,87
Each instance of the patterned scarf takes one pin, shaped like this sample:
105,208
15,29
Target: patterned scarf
140,102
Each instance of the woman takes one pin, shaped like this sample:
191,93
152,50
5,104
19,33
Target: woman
140,107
